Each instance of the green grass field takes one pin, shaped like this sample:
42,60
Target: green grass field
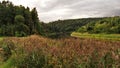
97,36
1,38
8,64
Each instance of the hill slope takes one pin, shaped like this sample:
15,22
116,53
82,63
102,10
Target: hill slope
110,25
65,27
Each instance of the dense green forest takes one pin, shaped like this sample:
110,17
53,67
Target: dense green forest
63,28
18,20
109,25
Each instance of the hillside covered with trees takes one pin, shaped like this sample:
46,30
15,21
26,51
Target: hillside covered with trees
63,28
18,20
109,25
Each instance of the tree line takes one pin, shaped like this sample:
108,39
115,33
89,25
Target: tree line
18,20
63,28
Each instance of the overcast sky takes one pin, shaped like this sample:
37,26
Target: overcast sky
50,10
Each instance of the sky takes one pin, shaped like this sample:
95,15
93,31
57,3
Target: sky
51,10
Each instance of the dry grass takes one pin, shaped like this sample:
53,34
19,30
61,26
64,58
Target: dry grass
66,53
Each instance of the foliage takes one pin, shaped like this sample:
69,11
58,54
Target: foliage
63,28
18,19
110,25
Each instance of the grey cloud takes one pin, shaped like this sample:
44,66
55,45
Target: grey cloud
90,8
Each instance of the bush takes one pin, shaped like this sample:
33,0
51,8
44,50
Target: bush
8,47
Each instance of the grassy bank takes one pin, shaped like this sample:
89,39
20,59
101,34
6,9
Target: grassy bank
97,36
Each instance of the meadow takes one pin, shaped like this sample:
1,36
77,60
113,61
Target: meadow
40,52
113,37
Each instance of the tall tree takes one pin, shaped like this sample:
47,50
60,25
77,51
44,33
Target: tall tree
34,19
18,19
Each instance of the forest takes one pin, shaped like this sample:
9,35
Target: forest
18,20
109,25
63,28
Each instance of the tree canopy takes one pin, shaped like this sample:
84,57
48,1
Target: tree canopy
18,20
63,28
109,25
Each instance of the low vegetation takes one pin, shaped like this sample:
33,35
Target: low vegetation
1,38
112,37
36,51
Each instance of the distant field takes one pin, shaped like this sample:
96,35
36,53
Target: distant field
97,36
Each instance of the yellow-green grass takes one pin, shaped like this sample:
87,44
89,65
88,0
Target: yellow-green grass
1,38
8,64
97,36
